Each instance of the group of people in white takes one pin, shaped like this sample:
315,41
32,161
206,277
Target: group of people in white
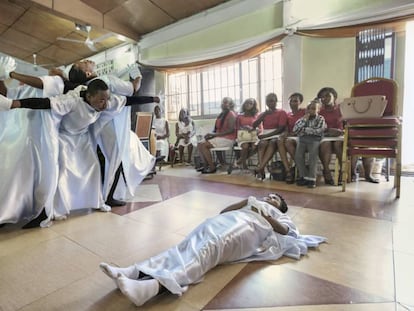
49,148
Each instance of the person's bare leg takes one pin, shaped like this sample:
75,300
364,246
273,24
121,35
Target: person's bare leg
283,153
269,153
368,164
290,146
243,155
181,153
206,153
325,153
190,152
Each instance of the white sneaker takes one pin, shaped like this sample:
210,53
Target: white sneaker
105,208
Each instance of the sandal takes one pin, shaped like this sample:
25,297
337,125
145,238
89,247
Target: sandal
289,178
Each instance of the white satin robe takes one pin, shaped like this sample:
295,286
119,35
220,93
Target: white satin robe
28,155
31,166
236,236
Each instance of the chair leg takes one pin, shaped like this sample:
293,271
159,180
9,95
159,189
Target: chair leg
337,172
345,169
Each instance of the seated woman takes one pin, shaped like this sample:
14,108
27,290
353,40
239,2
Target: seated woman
274,123
332,141
289,137
162,132
185,132
223,135
244,122
250,230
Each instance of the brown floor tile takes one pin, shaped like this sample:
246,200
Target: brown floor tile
261,285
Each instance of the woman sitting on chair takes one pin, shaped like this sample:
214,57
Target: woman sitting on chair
162,132
274,123
332,141
223,135
185,132
245,120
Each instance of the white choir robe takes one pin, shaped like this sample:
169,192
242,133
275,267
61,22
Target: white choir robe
235,236
32,169
29,151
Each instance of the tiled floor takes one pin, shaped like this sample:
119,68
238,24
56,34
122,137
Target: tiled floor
366,264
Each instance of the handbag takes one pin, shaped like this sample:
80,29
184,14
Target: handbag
363,107
247,136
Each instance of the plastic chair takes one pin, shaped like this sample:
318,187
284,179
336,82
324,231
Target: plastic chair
374,137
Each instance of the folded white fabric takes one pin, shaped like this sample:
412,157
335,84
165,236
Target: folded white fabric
5,103
259,205
7,65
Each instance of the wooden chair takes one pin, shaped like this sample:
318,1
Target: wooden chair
374,137
143,129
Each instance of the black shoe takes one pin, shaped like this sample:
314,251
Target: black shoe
36,222
330,182
311,184
200,169
301,182
113,202
159,159
209,171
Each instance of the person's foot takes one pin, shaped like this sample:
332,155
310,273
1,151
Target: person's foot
209,171
301,181
329,181
114,202
138,292
130,272
200,169
372,179
105,208
36,222
159,159
289,178
311,184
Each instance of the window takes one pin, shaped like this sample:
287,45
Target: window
374,54
201,92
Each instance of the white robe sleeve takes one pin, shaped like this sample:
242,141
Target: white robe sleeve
52,85
63,104
118,86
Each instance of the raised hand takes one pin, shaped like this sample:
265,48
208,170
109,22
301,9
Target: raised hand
7,65
134,71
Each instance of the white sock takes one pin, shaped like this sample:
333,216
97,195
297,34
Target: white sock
138,292
105,208
5,103
130,272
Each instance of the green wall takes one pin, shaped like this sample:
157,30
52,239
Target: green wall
327,62
238,29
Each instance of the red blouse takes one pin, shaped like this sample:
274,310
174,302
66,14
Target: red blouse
333,118
292,118
223,128
275,119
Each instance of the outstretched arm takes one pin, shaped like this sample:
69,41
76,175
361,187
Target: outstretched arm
31,103
26,79
235,206
137,100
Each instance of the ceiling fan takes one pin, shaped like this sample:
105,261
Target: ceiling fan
36,65
88,42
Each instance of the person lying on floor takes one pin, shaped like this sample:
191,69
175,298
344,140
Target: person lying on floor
250,230
78,170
